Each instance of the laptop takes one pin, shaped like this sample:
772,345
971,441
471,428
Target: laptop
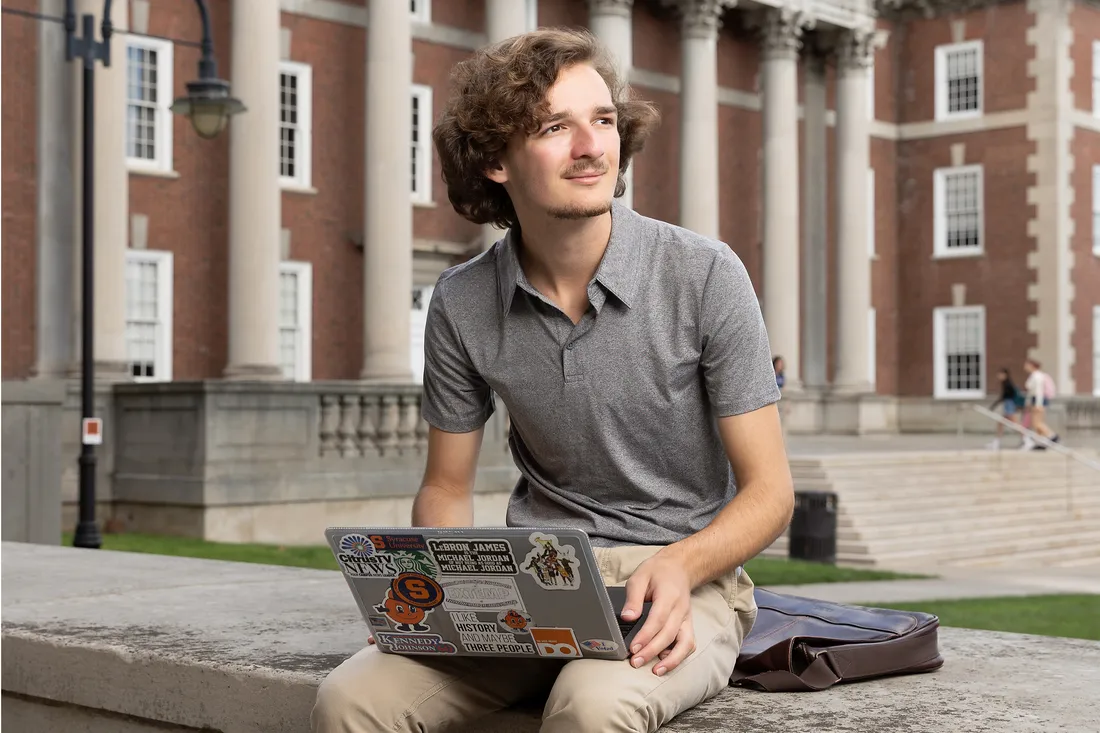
480,591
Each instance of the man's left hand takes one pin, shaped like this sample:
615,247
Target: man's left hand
668,631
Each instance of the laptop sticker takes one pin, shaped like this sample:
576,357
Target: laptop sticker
417,590
484,636
398,542
514,621
360,559
379,622
555,642
415,643
600,645
473,557
416,561
553,566
406,617
480,594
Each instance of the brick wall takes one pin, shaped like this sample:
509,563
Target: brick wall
20,193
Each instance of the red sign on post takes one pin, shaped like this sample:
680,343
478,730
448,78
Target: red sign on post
91,431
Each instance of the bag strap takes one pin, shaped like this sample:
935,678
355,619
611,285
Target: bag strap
817,676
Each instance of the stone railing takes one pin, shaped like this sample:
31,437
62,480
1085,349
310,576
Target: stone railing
247,461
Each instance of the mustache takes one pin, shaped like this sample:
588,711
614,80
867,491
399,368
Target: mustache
586,170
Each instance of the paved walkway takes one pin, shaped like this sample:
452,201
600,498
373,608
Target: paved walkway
955,583
810,445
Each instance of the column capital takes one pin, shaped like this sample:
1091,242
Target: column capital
781,32
621,8
700,18
855,49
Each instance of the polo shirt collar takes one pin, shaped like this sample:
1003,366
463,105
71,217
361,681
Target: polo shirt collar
618,271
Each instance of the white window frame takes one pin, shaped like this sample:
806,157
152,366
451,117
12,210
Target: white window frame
939,352
942,53
303,271
422,148
420,11
162,358
1096,210
871,89
871,212
872,347
162,162
1096,78
1096,350
939,203
303,151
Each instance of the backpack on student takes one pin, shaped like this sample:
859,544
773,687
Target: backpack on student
802,645
1049,388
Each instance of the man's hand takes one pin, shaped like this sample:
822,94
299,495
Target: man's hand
668,631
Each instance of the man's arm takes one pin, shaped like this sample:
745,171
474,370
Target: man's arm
445,498
758,513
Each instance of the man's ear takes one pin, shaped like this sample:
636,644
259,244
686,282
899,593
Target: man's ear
496,173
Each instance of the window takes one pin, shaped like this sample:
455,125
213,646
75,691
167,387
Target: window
295,320
421,10
959,80
295,124
871,212
421,297
1096,78
957,199
1096,350
421,144
148,97
1096,210
958,336
149,315
872,348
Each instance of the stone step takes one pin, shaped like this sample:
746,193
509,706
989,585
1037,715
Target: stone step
1070,545
961,495
868,523
941,537
944,481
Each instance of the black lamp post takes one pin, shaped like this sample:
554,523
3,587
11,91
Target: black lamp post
209,106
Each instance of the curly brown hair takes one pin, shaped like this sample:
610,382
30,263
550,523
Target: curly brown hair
502,90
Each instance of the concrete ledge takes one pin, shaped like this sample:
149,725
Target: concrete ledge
101,641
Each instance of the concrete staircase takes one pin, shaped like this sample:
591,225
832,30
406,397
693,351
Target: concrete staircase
916,510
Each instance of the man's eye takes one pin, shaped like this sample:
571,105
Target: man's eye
552,128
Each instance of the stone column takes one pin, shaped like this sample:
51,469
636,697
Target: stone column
699,115
387,242
57,205
503,19
612,22
255,200
815,232
112,200
854,55
782,33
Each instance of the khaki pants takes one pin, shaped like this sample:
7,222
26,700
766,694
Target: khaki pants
373,692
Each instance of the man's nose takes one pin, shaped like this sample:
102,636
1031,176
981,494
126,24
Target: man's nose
586,143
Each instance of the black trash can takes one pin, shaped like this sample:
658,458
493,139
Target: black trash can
812,534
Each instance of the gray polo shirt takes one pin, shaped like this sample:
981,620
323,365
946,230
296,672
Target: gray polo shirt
613,419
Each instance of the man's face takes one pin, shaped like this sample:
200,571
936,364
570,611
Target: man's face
568,167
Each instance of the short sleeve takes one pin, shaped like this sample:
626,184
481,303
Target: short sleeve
736,354
456,398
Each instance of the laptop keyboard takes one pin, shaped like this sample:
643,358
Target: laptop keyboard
625,627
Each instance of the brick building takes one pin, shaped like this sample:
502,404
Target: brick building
913,186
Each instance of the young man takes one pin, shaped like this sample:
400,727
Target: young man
633,360
1037,385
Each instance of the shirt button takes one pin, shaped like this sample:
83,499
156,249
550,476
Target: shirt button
569,347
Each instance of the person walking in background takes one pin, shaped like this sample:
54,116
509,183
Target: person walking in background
1012,401
777,366
1040,390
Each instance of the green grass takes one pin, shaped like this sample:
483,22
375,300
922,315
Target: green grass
763,571
1076,616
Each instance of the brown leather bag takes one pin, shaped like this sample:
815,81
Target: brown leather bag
801,644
